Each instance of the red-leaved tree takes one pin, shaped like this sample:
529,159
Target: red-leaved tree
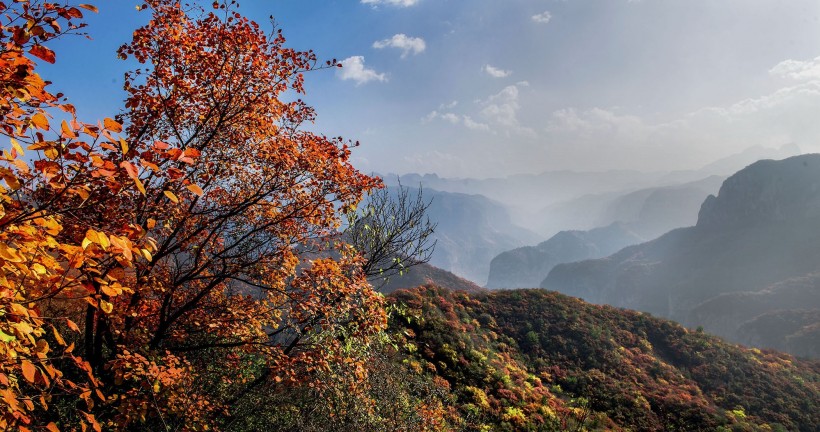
161,265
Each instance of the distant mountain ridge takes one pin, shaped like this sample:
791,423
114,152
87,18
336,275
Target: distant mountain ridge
763,227
526,267
470,231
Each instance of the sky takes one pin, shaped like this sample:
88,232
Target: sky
483,88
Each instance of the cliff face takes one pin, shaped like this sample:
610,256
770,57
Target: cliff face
762,228
764,192
526,267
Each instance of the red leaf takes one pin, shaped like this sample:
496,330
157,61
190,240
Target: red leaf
43,53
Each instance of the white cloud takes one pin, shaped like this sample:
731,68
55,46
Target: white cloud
403,42
797,69
474,125
496,72
498,114
353,69
502,109
400,3
456,119
542,18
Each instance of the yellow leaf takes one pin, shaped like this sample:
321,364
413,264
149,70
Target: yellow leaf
106,307
124,146
171,196
16,145
57,336
51,153
9,254
139,185
195,189
147,254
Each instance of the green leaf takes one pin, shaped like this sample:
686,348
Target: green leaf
6,337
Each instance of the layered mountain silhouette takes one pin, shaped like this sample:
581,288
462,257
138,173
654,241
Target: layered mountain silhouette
762,228
526,267
470,231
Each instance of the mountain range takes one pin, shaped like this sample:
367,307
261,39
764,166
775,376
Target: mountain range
762,229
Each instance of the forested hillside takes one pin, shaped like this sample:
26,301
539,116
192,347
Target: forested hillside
539,360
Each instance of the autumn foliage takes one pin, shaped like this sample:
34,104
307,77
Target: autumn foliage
155,264
540,360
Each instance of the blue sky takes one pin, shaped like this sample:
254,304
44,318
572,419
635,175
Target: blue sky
490,87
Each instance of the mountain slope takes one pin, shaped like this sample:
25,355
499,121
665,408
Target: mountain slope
762,228
538,360
423,274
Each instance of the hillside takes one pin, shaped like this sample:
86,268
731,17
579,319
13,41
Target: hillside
424,274
538,360
762,228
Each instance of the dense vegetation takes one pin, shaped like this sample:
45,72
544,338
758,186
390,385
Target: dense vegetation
539,360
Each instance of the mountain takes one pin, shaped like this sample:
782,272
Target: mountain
526,267
539,360
762,228
470,231
649,212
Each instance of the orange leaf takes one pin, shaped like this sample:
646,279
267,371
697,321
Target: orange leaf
52,427
130,169
72,325
67,132
40,121
195,189
42,53
112,125
92,8
28,370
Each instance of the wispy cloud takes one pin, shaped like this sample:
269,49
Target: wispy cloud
797,69
496,72
353,68
399,3
542,18
403,42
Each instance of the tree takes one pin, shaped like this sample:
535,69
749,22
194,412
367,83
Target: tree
392,232
174,234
